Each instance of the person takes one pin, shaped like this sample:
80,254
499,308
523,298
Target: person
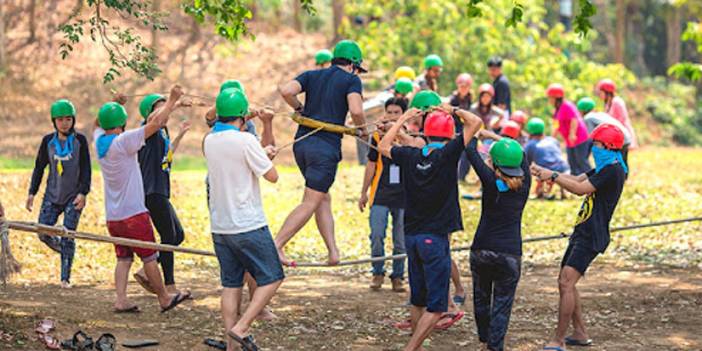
66,153
463,98
593,119
603,187
323,59
496,251
571,127
330,94
155,160
211,116
387,197
544,151
484,107
125,210
521,118
616,107
429,80
512,130
240,233
402,88
502,97
432,210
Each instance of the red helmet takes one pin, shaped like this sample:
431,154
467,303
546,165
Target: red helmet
606,85
464,78
608,134
439,124
519,116
511,129
555,90
486,88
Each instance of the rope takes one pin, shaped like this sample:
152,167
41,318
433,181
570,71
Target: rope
303,137
63,232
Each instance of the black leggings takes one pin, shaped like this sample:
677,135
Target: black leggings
169,229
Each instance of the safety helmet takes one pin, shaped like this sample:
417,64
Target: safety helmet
610,135
439,124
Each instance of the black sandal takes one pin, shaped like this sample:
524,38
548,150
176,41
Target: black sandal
217,344
106,342
247,344
177,300
79,342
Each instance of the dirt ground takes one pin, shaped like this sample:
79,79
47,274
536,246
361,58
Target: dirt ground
626,309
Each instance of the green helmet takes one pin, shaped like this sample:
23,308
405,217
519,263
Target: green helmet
535,126
232,103
112,115
508,155
433,61
62,108
425,100
232,83
146,106
586,104
322,56
349,49
404,86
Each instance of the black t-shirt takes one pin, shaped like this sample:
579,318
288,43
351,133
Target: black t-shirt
596,212
155,165
502,92
326,92
500,227
431,188
462,103
386,187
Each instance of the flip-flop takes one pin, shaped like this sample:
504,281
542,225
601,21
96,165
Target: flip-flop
50,342
247,344
459,300
79,342
553,348
575,342
404,325
135,344
217,344
133,309
45,326
106,342
455,317
177,300
145,283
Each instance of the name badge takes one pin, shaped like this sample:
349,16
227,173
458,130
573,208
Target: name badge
394,174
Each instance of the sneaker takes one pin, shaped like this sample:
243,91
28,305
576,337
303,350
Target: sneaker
377,282
398,285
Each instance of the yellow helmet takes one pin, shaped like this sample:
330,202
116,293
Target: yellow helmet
405,72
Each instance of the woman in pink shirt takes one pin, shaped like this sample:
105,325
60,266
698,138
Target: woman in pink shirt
616,107
572,129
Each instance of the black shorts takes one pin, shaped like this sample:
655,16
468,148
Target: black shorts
578,255
318,162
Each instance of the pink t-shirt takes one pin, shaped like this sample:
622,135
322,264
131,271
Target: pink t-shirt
565,115
618,110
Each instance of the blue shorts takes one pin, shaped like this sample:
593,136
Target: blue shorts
252,252
318,161
429,261
578,255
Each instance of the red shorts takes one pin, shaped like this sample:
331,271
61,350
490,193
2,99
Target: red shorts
137,227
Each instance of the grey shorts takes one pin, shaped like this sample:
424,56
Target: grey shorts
252,252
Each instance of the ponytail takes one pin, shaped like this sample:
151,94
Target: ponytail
514,183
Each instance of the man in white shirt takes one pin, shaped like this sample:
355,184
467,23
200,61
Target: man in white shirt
125,212
242,240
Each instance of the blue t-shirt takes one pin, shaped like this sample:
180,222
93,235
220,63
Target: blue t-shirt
431,188
546,153
326,92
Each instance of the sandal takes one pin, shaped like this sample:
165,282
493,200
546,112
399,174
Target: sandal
459,300
79,342
106,342
569,341
50,342
45,326
404,325
135,344
247,344
217,344
177,300
133,309
453,318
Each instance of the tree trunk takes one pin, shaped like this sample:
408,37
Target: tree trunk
297,15
337,18
3,53
32,21
673,31
620,31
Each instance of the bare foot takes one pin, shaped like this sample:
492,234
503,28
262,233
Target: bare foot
333,257
124,306
266,315
172,289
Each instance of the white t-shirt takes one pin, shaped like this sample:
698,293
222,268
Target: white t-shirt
124,189
594,119
235,161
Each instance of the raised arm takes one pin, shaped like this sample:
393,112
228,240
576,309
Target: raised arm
159,118
184,128
471,124
385,144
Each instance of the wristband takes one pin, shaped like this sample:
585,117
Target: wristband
554,175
